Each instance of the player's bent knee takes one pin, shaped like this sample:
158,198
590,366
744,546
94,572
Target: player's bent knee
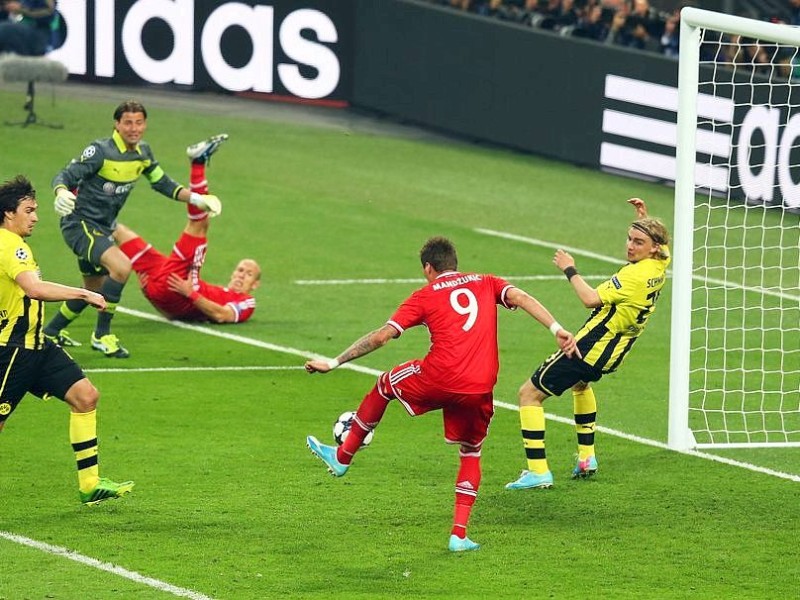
525,392
82,396
530,395
470,449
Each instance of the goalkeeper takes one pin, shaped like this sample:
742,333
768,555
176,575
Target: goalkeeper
172,283
90,192
621,307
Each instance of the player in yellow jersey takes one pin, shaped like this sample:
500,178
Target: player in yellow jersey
29,362
621,307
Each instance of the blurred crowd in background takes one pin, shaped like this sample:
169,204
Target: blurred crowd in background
643,25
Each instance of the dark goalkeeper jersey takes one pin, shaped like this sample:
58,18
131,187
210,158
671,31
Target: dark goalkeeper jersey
104,176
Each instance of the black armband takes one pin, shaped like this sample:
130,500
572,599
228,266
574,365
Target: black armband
570,272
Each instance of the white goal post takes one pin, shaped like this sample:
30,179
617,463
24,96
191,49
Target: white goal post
735,339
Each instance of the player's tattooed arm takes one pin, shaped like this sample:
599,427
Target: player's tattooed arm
368,343
364,345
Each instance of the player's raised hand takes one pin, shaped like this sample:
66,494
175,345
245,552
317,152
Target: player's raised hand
563,259
640,207
64,203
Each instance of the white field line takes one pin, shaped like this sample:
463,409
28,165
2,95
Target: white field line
663,446
183,369
375,373
616,261
422,281
543,244
181,592
104,566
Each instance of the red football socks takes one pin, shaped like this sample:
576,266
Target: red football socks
467,484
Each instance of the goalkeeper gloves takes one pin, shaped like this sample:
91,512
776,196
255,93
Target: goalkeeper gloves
64,203
207,202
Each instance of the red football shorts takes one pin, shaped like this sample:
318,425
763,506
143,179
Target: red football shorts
466,417
153,269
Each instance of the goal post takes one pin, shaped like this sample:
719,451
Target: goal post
735,338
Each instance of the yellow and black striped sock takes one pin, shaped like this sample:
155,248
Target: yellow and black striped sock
83,436
585,407
532,420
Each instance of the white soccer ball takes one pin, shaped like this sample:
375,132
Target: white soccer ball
341,429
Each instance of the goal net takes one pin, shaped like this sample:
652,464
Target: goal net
735,354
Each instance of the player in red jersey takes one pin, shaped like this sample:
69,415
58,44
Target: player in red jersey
457,375
172,283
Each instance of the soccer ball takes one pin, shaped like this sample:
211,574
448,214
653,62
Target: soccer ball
341,429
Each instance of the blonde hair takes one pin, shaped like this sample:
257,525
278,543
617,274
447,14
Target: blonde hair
655,230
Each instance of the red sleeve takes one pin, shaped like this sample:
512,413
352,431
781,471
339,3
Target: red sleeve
501,287
410,313
243,305
243,309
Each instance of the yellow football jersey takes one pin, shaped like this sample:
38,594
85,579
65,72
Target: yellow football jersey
21,318
629,299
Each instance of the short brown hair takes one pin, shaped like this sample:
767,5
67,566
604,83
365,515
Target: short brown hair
129,106
14,191
439,253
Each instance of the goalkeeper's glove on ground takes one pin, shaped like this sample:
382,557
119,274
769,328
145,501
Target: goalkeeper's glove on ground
206,202
64,203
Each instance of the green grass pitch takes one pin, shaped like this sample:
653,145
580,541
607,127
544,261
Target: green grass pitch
210,421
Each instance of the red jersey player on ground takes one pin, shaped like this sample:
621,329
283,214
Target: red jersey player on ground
172,283
457,375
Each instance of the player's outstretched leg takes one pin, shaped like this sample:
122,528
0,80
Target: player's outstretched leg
326,454
532,421
202,151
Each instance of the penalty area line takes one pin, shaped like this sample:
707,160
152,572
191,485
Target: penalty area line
104,566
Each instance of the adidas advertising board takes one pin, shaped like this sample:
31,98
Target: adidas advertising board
744,149
280,47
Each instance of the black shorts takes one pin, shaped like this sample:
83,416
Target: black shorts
559,373
47,372
88,241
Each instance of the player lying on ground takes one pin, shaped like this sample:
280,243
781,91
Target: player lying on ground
103,178
457,376
29,362
172,283
622,306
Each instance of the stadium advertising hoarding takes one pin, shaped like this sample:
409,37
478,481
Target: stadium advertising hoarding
570,99
480,78
283,47
747,141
